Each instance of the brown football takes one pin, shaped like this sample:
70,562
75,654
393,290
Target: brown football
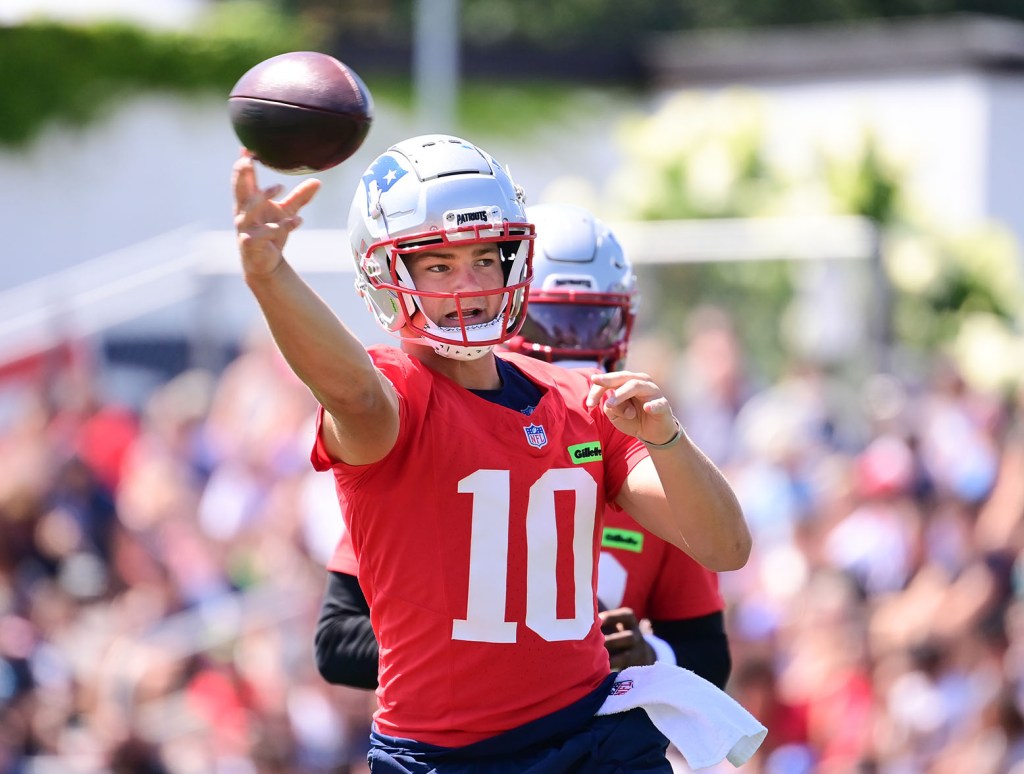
301,112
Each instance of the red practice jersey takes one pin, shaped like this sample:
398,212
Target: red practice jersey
477,537
641,571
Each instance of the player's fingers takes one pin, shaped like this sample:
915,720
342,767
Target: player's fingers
279,229
243,181
659,405
617,378
288,225
254,235
634,388
620,642
600,383
618,619
616,407
273,229
258,207
594,395
300,196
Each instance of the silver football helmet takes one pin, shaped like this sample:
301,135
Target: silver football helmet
583,298
438,190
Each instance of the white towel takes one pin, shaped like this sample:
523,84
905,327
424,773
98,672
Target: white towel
703,721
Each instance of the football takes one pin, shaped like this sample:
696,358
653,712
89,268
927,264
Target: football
301,112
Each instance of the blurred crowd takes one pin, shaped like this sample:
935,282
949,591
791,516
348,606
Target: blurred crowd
161,569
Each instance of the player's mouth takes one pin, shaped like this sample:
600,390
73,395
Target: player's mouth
469,315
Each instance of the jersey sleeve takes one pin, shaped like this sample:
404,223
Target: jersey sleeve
319,457
624,453
410,384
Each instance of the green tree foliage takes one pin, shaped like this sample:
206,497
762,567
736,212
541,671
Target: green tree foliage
72,74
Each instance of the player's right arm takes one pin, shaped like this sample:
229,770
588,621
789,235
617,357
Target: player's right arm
361,407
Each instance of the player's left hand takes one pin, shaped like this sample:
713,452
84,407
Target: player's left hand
634,404
622,638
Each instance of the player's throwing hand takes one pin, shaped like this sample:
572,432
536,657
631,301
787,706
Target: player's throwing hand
263,223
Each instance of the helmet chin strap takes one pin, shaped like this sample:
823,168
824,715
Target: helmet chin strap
451,351
457,350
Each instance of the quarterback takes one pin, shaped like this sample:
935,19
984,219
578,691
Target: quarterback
582,305
475,525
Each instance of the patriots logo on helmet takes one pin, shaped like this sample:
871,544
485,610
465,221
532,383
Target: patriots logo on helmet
536,436
382,174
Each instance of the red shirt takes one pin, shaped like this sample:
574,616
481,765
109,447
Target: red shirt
477,541
656,579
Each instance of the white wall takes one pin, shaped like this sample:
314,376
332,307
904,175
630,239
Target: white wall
1004,159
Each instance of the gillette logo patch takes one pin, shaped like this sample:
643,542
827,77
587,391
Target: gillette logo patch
585,452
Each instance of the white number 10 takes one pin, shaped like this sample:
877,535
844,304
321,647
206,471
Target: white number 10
488,557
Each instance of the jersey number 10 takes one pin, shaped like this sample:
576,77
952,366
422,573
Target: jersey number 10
488,557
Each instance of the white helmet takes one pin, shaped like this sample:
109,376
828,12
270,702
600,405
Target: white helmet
431,190
583,298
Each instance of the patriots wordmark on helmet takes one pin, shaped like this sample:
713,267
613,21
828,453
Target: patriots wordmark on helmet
462,218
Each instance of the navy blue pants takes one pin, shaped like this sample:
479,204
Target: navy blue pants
570,740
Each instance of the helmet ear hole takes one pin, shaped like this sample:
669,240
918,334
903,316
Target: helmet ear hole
509,250
509,253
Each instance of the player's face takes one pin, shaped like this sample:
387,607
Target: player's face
462,269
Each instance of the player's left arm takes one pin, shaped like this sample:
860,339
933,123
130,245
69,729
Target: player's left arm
677,492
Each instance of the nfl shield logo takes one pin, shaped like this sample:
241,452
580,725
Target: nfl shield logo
535,436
